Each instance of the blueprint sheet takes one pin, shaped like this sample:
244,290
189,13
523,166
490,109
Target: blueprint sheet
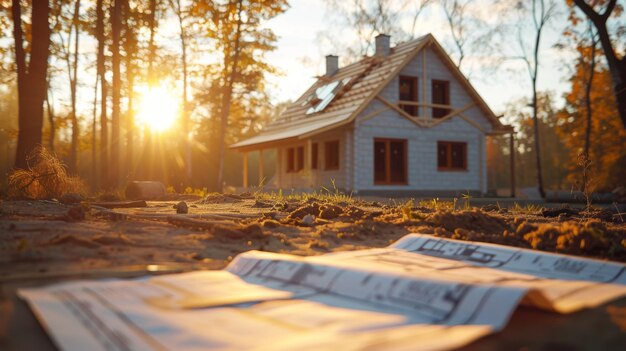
422,293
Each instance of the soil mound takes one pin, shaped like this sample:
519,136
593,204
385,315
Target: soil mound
475,220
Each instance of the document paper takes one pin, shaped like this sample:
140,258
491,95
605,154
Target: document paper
422,293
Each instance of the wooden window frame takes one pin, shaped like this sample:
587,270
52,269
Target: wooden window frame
291,160
295,159
412,110
439,112
314,155
388,181
299,158
327,166
448,167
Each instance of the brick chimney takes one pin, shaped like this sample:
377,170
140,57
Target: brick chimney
383,45
332,65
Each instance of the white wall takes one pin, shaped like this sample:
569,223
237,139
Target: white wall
422,142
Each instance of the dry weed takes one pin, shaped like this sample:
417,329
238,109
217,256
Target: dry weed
45,178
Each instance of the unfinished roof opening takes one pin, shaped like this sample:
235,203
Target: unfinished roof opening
324,95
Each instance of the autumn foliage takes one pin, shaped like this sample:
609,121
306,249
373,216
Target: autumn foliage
607,150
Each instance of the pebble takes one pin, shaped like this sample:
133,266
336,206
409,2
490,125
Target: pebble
308,220
181,207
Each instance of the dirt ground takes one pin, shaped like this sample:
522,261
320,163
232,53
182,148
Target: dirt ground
49,241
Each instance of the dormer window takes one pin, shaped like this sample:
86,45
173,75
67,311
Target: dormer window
408,93
441,96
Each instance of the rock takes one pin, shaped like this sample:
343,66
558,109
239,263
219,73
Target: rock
181,207
71,198
308,220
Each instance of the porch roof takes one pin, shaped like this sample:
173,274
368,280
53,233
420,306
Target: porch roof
294,132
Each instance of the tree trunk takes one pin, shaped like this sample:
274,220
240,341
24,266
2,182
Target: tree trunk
32,84
104,130
148,159
539,23
592,68
617,66
73,82
130,81
185,112
53,131
227,97
94,154
116,22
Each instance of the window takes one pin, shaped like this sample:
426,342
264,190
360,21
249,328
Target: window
441,96
451,155
408,92
300,159
390,161
291,160
295,159
331,155
314,156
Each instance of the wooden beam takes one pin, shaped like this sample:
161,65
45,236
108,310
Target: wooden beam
261,169
307,161
424,79
399,110
426,104
472,122
279,167
245,170
452,114
373,114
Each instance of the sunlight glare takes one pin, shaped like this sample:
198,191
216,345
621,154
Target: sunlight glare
158,108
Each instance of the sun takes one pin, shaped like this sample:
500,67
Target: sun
158,108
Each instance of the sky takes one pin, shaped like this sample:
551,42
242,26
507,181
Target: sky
300,57
303,32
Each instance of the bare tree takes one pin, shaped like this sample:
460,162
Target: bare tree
617,65
101,71
73,76
130,48
231,65
456,15
588,87
541,12
116,24
185,105
32,78
367,18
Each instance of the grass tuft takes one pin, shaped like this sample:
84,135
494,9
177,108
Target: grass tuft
45,178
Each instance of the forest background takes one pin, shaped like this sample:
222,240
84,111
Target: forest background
211,60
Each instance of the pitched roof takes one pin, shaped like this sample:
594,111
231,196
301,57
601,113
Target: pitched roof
367,78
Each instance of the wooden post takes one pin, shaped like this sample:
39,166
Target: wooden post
279,167
261,169
424,81
307,161
512,156
245,170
